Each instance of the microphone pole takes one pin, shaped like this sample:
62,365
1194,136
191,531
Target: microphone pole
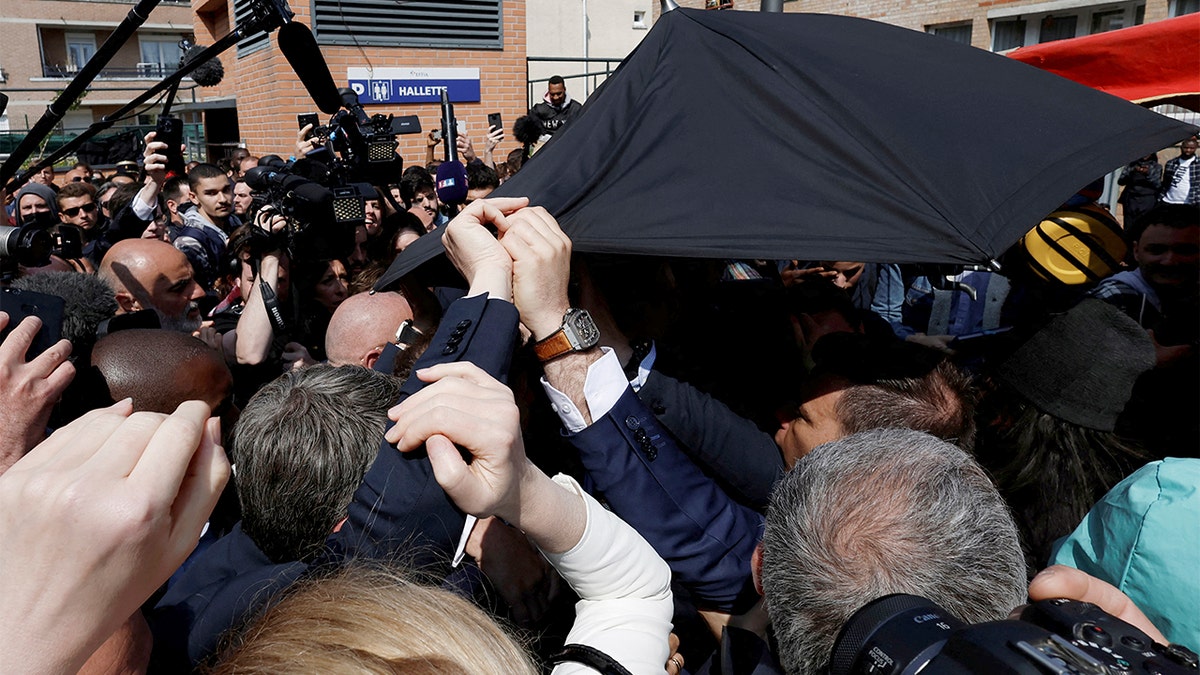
275,14
449,129
61,105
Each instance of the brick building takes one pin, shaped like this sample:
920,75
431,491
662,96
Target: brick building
260,97
43,43
997,25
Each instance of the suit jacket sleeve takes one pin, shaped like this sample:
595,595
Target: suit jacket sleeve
705,537
728,445
400,506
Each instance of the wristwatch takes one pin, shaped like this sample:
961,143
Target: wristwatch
578,332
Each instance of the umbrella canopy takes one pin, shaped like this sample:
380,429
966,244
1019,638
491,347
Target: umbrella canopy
820,137
1150,64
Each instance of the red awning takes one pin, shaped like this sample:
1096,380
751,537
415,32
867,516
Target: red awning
1151,64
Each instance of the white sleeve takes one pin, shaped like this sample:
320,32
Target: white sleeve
604,385
141,209
625,589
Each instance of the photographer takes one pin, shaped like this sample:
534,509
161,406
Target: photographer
256,341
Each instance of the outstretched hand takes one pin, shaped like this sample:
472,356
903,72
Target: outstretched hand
29,390
93,520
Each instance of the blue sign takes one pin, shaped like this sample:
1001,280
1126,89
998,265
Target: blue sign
414,85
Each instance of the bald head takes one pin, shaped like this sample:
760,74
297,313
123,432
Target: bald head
159,369
152,274
362,325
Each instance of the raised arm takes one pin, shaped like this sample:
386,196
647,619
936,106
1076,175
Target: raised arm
625,609
704,536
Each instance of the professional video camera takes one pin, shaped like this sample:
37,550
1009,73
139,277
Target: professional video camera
38,237
314,223
28,245
909,634
365,144
331,185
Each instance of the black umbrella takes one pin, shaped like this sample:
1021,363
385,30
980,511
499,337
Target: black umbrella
820,137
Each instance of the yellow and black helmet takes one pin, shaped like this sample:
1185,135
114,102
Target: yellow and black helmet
1076,246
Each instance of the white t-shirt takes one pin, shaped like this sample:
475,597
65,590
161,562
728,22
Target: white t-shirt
1181,182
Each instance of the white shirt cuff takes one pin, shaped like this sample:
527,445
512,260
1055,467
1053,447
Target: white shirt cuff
644,369
604,385
141,209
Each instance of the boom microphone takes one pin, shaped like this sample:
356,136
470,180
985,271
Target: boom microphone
207,74
300,48
451,174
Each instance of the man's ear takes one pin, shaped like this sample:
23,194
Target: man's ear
372,356
127,303
756,567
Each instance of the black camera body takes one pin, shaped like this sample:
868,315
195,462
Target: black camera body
909,634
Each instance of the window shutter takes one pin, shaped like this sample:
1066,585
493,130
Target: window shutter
458,24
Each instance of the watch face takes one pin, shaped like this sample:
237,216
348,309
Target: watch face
581,330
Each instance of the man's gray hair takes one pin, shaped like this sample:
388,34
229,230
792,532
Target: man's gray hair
881,512
301,448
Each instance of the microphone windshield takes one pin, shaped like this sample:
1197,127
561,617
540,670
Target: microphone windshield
207,74
452,182
300,48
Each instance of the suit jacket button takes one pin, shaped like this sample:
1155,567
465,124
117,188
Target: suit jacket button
448,350
658,408
463,325
633,422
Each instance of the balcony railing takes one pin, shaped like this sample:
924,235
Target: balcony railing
144,71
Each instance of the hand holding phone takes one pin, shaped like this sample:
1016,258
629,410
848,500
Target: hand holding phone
169,130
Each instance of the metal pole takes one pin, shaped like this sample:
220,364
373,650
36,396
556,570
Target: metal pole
668,5
109,120
772,6
586,68
61,105
267,15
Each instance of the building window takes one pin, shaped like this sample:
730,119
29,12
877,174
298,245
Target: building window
1010,30
159,56
456,24
1181,7
81,47
1058,28
639,19
1102,22
957,32
1008,34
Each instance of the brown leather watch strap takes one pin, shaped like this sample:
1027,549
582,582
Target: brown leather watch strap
552,347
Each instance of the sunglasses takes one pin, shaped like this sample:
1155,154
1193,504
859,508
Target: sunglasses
74,210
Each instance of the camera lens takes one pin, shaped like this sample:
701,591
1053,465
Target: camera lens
30,246
889,634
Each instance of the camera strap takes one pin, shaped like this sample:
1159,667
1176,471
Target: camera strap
271,303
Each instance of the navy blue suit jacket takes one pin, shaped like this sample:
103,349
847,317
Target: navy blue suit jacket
398,510
705,536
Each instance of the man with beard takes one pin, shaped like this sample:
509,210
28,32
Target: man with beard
1166,247
558,108
151,274
1163,296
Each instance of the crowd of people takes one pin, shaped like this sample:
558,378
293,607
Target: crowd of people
241,457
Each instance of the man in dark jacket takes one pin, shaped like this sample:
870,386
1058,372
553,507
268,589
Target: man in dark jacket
558,109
